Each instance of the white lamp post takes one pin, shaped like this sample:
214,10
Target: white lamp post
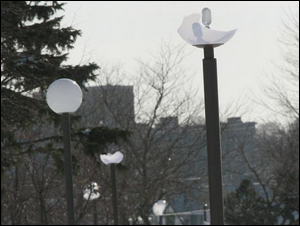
113,160
92,193
203,37
204,213
159,208
64,96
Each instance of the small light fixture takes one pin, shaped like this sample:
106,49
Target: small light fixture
159,207
112,159
64,96
91,192
199,36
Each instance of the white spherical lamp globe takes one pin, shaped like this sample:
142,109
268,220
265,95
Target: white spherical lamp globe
159,208
64,96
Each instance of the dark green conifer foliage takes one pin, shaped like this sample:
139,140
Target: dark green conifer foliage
34,48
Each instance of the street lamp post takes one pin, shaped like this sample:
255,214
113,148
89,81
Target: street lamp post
95,213
113,160
114,193
160,220
158,209
213,136
92,193
64,96
203,37
204,213
68,168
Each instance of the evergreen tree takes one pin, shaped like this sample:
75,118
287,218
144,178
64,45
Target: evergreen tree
34,48
246,207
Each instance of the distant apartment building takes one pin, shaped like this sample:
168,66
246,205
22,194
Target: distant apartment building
239,148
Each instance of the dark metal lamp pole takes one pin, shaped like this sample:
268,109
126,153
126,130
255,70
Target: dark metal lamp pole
213,137
68,168
204,213
64,96
95,213
114,193
160,220
203,37
113,160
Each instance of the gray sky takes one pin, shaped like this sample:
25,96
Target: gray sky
121,32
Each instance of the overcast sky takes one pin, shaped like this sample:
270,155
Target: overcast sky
121,32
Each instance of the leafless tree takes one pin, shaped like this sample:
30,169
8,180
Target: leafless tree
275,166
166,148
282,90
